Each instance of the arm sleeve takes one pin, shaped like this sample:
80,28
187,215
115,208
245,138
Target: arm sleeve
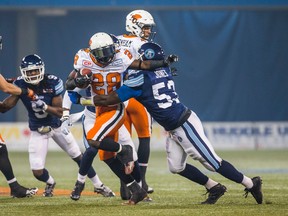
59,88
125,93
66,100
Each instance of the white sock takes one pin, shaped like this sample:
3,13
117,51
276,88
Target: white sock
210,183
50,180
81,178
12,180
96,181
247,182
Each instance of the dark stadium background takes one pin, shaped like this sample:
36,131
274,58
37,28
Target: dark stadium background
233,54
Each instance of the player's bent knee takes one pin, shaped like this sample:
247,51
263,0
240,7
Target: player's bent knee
176,170
94,143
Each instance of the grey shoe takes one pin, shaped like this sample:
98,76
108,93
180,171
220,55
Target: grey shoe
215,193
137,194
76,193
104,190
256,190
48,192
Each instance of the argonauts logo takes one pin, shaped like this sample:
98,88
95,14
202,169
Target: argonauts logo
149,53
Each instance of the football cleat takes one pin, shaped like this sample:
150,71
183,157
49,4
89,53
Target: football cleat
104,190
150,190
21,192
48,191
137,194
256,190
137,197
76,193
214,194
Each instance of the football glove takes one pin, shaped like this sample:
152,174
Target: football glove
39,105
82,80
171,59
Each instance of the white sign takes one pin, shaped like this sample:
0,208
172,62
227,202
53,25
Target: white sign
227,135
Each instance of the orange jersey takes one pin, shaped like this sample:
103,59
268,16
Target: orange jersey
104,81
131,43
136,112
108,78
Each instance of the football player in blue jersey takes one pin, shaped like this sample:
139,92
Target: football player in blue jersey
44,113
16,189
156,91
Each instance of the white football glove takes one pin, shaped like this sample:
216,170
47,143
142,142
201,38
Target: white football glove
66,123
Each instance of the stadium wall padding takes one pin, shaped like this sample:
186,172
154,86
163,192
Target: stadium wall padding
233,64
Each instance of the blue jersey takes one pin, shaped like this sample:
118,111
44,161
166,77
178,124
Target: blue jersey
48,88
156,91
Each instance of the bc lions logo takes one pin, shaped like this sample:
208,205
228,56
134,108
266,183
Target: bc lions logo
87,63
149,54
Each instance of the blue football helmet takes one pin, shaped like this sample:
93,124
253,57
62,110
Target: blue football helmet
151,51
32,69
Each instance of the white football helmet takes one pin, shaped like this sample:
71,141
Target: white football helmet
136,20
102,47
32,63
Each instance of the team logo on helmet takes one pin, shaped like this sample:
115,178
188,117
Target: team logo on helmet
135,17
149,54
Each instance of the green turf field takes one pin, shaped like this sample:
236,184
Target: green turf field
173,194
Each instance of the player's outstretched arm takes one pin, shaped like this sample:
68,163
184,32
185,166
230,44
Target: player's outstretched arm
8,103
153,64
105,100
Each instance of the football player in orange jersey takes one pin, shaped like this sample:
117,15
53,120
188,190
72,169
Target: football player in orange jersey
107,65
17,190
139,25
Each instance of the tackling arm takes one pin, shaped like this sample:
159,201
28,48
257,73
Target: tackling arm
120,95
8,103
153,64
105,100
12,89
56,108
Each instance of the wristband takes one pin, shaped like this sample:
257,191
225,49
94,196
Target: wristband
24,91
86,101
66,113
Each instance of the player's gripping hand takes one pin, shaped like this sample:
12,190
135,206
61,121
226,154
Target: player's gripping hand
82,81
39,105
74,97
30,93
171,59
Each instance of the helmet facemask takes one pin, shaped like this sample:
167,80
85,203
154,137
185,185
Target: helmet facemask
102,48
104,55
32,69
